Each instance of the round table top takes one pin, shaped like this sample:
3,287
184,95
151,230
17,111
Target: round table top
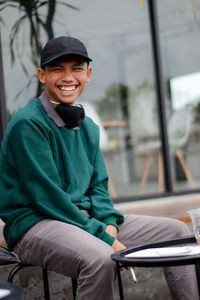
163,261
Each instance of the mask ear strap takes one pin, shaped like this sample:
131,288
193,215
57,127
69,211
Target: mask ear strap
79,105
54,102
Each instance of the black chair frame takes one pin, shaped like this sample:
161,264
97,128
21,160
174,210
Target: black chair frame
12,259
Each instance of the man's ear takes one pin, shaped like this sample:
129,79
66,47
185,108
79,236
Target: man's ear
89,72
41,75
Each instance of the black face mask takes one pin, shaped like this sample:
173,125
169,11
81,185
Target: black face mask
72,115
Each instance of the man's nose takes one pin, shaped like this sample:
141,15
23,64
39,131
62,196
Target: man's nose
67,75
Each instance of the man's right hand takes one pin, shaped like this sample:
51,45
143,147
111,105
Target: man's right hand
117,246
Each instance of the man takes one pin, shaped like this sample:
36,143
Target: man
54,197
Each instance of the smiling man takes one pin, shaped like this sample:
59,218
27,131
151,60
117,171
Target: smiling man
54,186
65,78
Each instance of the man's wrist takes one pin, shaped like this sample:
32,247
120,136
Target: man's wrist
111,220
107,238
112,230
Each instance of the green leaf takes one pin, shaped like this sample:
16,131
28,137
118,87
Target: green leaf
13,35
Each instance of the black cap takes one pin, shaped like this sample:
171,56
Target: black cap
61,46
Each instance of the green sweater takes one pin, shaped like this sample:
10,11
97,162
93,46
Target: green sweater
53,172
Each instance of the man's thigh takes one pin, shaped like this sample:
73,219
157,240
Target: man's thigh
61,247
139,229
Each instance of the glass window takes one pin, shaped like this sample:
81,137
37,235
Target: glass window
121,95
121,91
180,44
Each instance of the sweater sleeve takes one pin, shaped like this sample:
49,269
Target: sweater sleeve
40,180
102,205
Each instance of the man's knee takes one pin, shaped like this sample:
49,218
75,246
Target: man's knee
177,228
100,263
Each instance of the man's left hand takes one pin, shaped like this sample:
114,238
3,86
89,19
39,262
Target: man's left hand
112,230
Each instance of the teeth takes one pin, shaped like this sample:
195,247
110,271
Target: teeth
64,88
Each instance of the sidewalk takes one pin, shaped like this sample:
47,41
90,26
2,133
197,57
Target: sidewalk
173,207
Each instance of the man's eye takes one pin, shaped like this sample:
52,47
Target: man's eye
77,69
56,69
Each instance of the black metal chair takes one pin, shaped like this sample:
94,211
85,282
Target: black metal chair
9,258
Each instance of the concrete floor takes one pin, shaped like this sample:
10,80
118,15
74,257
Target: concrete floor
151,285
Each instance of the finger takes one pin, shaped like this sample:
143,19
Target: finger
122,268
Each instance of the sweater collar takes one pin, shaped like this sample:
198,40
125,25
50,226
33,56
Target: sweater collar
49,108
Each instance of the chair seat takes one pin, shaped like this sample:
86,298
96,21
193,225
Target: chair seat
7,257
147,148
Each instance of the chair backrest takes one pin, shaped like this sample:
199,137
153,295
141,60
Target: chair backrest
180,124
92,113
143,118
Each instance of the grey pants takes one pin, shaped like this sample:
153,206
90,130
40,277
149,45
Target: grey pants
69,250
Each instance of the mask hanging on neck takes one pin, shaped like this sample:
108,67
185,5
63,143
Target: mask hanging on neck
72,115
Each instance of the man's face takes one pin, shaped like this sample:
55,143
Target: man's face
65,78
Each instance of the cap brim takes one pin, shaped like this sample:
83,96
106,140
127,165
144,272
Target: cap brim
51,59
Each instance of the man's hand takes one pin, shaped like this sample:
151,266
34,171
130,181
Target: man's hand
112,230
117,246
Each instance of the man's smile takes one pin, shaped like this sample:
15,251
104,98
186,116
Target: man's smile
67,88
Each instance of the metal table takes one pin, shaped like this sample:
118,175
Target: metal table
122,261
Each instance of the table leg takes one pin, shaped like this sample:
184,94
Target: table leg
198,276
119,282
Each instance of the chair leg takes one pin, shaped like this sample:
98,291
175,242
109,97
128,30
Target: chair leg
185,168
146,173
20,266
46,284
111,187
14,271
74,287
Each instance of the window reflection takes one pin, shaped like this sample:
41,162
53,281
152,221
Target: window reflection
121,95
180,43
